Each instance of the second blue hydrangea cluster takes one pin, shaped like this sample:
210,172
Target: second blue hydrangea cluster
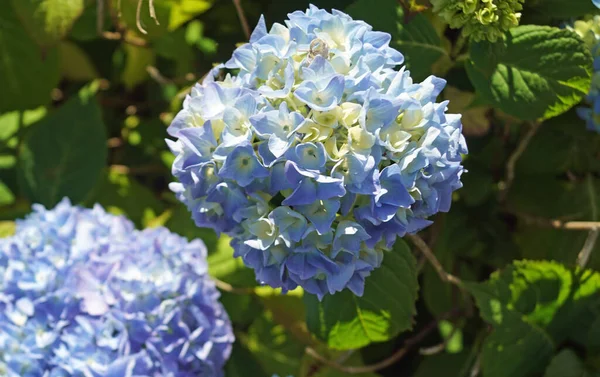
314,153
82,293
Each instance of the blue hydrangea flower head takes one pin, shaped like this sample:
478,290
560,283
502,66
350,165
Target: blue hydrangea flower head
589,31
82,293
314,152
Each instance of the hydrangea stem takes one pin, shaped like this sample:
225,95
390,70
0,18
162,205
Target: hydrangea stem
514,157
428,253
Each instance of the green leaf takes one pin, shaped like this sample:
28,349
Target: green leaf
417,39
544,11
27,73
444,364
64,153
48,21
9,122
7,161
567,364
7,228
175,47
123,195
516,349
223,266
273,346
6,196
455,239
242,363
242,309
539,72
184,10
345,321
181,223
75,64
532,306
571,144
314,368
85,27
138,59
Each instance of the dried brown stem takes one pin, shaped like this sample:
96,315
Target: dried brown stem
99,16
153,11
138,17
588,246
558,224
428,253
122,169
116,36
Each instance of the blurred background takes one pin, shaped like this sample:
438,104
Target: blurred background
87,91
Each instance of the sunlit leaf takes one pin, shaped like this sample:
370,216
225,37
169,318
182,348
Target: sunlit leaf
48,21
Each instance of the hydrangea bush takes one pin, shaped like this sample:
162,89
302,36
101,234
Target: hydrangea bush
82,293
589,31
315,151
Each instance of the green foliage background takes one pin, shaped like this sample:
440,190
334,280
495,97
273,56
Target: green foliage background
85,99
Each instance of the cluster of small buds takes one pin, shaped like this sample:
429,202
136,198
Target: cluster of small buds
589,31
82,293
314,153
480,19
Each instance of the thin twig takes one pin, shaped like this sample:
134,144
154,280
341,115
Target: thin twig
588,246
231,289
558,224
242,16
476,367
314,369
428,253
114,142
514,157
122,169
399,354
157,76
153,11
119,13
138,17
592,194
117,36
99,16
590,241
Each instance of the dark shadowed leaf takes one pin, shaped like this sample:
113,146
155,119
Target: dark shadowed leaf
27,73
64,153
